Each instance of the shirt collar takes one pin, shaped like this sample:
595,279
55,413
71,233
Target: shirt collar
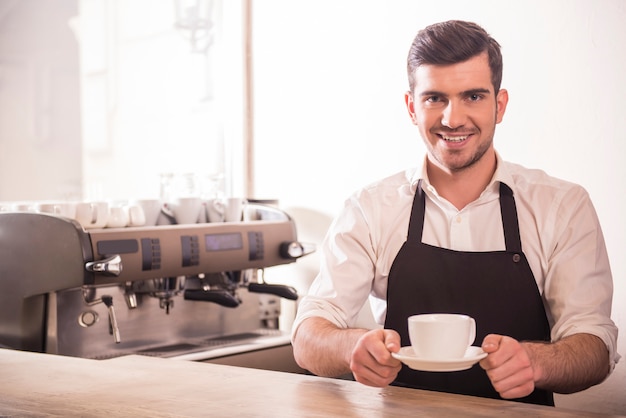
501,175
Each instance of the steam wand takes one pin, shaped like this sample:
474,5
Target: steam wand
113,328
88,297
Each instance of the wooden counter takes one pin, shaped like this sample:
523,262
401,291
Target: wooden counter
34,384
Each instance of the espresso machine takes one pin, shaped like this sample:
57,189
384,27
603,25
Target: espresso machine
177,291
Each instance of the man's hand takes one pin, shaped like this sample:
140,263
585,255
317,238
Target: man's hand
569,365
326,350
371,362
508,366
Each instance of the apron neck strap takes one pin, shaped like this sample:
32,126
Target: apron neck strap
507,209
416,222
509,219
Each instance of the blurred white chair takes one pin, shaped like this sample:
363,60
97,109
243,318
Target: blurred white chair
311,226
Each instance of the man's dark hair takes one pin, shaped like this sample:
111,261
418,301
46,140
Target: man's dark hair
453,42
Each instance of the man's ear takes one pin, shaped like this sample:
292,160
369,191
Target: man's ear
410,106
502,99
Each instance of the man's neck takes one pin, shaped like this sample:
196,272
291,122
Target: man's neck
462,187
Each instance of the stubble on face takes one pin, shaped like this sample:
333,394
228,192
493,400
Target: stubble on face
454,160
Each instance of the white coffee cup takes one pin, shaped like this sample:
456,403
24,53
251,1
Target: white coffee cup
25,207
151,210
441,336
136,215
233,209
214,210
64,209
118,217
6,207
92,215
186,210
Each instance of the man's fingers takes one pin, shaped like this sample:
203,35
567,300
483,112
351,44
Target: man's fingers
508,366
392,341
491,343
371,362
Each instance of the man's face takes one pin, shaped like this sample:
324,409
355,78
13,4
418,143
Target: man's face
456,110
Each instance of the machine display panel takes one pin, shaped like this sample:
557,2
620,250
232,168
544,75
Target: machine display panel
222,242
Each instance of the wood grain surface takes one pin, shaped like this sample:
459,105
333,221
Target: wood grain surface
45,385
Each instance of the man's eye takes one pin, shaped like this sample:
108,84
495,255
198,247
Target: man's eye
433,99
475,97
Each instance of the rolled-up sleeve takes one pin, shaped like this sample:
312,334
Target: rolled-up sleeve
578,284
347,266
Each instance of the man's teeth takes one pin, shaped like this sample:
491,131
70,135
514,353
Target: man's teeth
454,138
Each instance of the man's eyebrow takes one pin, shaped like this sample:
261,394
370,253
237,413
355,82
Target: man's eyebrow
475,91
463,93
431,93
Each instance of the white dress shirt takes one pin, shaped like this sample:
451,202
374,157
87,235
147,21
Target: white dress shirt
559,228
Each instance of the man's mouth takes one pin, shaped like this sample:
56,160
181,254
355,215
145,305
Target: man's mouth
454,138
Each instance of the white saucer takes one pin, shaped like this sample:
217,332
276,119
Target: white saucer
472,356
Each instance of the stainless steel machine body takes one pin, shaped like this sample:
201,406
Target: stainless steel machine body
168,290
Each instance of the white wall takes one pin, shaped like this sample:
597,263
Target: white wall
39,98
329,112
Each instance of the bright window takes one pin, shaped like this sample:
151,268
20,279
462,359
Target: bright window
153,94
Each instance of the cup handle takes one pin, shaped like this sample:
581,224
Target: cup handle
472,334
94,213
167,210
169,214
219,206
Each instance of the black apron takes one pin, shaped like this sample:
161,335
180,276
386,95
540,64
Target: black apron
496,288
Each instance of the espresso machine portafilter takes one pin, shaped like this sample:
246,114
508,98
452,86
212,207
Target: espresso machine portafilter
107,292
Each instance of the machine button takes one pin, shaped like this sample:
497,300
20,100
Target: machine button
190,250
88,318
150,254
256,247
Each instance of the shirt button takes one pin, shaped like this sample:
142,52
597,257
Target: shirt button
459,219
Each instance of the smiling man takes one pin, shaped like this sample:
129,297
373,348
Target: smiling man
520,251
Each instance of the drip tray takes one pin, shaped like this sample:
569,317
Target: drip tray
220,346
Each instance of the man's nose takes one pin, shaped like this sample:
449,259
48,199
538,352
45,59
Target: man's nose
453,115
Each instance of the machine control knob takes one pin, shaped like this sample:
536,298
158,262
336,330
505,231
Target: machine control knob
110,266
295,249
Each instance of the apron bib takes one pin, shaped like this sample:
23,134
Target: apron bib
496,288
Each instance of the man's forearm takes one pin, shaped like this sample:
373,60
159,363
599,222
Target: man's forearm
324,349
569,365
